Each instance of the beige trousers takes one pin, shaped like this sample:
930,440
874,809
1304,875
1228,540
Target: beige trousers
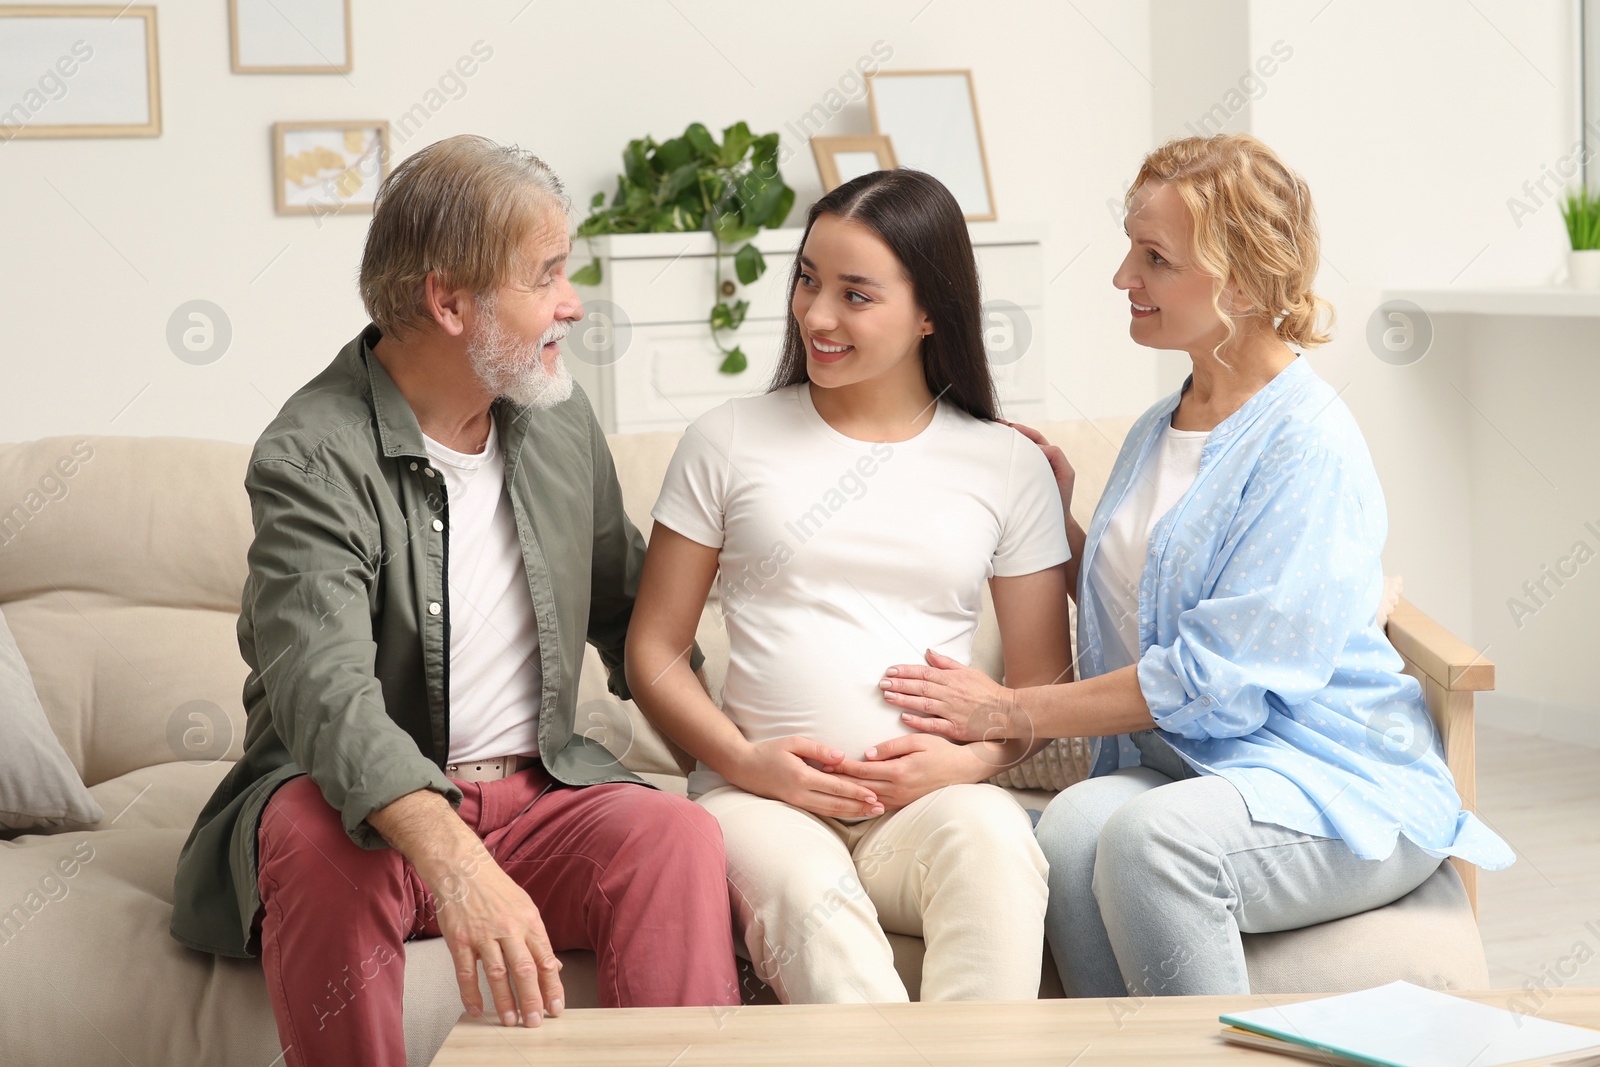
812,896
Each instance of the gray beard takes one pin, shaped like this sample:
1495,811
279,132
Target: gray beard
514,369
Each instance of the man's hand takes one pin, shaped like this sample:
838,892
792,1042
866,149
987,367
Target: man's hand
483,914
904,769
778,769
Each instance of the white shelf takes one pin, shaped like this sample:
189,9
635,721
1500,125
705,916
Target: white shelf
660,370
1554,301
700,242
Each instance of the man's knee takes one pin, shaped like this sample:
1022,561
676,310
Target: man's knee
659,822
298,821
298,807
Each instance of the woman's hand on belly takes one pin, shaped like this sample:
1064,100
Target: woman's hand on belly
904,769
950,699
777,769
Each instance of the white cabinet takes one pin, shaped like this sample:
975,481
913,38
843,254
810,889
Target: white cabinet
644,351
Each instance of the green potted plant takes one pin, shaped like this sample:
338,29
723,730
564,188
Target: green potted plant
691,182
1581,210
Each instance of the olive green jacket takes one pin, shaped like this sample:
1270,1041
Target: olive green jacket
345,618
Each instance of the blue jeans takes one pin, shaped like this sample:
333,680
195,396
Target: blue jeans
1156,870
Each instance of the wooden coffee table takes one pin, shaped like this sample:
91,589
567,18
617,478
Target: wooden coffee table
1059,1033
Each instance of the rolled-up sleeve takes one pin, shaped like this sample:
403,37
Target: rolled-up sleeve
312,568
1297,573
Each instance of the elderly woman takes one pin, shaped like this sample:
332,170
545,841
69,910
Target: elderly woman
1260,762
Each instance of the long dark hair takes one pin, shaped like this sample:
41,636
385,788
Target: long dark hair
922,224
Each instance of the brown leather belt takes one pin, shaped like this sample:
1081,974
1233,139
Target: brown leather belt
489,770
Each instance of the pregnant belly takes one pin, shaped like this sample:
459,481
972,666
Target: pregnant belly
842,708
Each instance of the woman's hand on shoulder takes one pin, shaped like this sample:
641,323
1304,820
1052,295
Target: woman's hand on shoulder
777,769
1059,466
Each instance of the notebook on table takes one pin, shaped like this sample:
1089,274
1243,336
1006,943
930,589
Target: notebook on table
1406,1025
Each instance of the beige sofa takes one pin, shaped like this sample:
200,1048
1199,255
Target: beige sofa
122,584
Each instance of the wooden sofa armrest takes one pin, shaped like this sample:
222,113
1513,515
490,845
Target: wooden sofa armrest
1440,654
1450,671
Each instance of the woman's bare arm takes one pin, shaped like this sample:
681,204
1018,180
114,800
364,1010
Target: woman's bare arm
677,577
1110,704
1032,612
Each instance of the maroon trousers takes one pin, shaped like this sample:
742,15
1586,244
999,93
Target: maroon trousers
636,875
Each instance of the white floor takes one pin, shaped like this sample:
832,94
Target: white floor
1540,918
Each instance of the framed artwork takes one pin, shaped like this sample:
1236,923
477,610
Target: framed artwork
79,71
932,118
842,159
324,168
290,36
1589,79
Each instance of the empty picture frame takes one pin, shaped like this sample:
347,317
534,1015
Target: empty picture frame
1589,99
79,71
843,159
328,168
932,118
290,36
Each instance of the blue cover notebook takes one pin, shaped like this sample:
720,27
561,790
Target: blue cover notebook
1405,1025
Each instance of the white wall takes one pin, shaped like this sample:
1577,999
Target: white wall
1200,53
1414,123
105,238
1536,521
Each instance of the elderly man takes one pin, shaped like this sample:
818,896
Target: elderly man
438,530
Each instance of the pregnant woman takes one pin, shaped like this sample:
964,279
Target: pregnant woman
853,514
1261,762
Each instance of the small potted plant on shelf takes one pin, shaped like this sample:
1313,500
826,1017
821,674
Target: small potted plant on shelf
691,182
1581,210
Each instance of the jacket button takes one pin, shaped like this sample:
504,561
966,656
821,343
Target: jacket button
428,471
437,525
433,608
413,466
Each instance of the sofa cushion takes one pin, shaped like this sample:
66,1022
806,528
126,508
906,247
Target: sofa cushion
39,786
1063,762
129,685
78,948
1428,937
621,727
165,796
122,587
151,520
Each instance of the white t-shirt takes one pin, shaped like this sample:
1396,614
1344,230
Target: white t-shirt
1168,471
495,678
840,558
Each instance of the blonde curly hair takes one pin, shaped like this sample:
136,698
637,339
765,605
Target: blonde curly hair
1254,228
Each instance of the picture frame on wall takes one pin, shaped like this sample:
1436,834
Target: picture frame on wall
79,71
843,159
932,118
1589,89
328,167
290,37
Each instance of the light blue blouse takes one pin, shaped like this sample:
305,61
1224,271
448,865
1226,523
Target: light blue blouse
1259,650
